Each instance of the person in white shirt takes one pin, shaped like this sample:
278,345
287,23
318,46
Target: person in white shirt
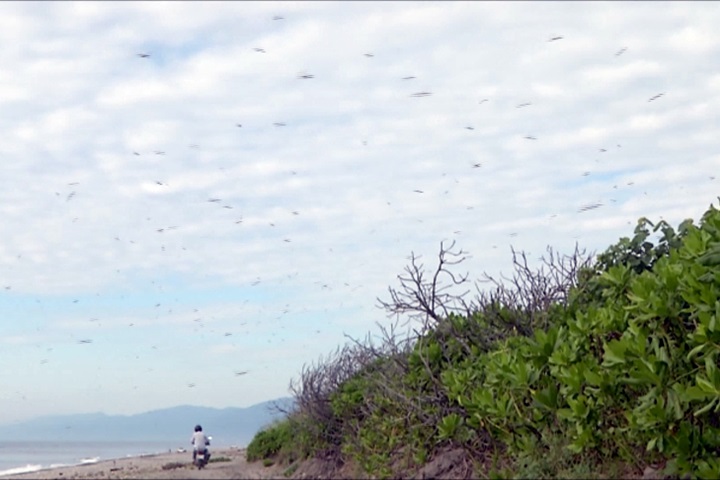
200,442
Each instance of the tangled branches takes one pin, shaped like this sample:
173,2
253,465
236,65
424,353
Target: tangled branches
429,299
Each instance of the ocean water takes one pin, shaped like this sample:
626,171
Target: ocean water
17,457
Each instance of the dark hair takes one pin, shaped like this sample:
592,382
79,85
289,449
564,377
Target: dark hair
198,428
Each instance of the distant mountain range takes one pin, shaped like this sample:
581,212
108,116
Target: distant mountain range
227,426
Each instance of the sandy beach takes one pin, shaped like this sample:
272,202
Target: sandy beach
166,465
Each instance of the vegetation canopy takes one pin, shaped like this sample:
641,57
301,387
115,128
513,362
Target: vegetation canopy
584,367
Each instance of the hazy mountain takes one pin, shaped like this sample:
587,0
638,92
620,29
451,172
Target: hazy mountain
227,426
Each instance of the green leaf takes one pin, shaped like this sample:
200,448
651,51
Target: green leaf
705,409
651,444
614,353
705,385
593,378
695,351
547,397
711,257
694,393
565,414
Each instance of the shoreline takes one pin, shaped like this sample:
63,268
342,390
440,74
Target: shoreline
226,463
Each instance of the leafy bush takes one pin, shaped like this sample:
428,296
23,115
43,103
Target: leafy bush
582,365
270,441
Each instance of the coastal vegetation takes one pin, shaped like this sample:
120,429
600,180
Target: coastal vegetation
588,366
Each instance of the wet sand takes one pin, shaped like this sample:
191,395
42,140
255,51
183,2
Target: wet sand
164,465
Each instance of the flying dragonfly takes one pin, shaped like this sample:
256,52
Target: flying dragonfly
555,38
369,55
239,373
143,55
214,200
421,94
87,340
408,78
279,124
469,128
530,137
656,97
621,51
305,76
524,105
259,50
278,17
483,101
589,206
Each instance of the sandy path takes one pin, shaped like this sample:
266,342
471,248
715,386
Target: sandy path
151,466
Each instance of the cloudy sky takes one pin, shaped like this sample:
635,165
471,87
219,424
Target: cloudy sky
171,221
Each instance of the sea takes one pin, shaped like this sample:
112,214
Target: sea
27,456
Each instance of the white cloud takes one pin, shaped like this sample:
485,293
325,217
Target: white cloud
84,217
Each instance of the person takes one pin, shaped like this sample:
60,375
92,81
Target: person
200,443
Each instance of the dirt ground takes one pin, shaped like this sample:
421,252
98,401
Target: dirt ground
176,466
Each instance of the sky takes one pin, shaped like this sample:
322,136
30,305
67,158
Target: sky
193,226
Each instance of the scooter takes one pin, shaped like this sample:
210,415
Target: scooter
203,459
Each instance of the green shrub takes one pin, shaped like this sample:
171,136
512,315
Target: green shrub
626,368
270,441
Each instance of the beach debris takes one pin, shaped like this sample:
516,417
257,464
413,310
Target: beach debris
174,465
